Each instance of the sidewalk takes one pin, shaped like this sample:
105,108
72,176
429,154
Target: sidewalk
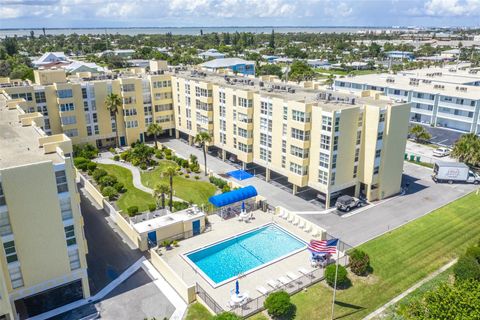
274,195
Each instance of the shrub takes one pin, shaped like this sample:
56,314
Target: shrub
278,305
159,154
167,152
168,157
175,243
474,251
226,316
135,161
184,163
87,151
143,166
187,176
342,279
197,177
188,170
180,205
226,188
91,166
109,192
119,187
132,210
79,161
98,173
467,268
116,157
107,181
180,173
124,155
152,207
359,262
178,168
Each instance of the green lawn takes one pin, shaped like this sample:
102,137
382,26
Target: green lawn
197,311
399,259
133,196
188,189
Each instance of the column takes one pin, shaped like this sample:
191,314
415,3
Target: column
244,166
327,200
177,134
190,140
294,191
267,175
224,155
170,132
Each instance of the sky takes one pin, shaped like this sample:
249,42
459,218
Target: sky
204,13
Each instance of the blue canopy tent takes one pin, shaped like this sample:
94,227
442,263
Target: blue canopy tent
234,196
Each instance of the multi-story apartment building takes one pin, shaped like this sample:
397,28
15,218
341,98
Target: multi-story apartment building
442,97
331,142
42,260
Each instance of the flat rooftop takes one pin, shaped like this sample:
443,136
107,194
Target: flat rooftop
19,144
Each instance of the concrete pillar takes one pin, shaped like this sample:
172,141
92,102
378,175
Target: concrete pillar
224,155
190,140
267,175
327,201
244,166
177,134
170,132
294,191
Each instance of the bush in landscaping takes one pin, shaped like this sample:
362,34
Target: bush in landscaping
194,167
342,279
110,193
116,157
474,251
278,305
168,157
91,166
119,187
220,183
197,177
180,173
143,166
187,176
107,181
87,151
152,207
359,262
226,316
167,152
124,155
185,163
99,173
467,268
226,188
159,154
132,210
180,205
112,150
80,161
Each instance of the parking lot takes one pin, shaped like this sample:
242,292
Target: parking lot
425,152
422,197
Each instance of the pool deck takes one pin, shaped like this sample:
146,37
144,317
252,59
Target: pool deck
222,229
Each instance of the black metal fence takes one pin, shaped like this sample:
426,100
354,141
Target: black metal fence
209,301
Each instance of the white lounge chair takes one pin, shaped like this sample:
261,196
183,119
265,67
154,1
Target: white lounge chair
293,276
316,233
263,290
304,271
291,217
283,214
301,225
284,280
274,284
308,227
296,221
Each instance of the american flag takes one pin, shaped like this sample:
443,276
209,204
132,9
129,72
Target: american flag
323,246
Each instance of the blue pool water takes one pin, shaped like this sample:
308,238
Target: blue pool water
240,174
242,253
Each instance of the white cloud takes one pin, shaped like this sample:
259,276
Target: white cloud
447,8
9,12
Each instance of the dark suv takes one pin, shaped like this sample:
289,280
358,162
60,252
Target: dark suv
346,203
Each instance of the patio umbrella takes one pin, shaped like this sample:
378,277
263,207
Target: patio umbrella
243,205
237,288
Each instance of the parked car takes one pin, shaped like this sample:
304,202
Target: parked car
441,152
454,172
346,203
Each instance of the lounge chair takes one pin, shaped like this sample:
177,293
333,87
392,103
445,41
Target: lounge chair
284,280
316,233
301,225
296,221
274,284
263,290
291,217
283,214
304,271
308,227
293,276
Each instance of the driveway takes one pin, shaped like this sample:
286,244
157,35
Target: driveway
425,152
275,196
423,196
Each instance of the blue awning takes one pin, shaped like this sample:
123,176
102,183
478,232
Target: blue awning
230,197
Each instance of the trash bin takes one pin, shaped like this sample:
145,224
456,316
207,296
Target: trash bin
418,158
412,157
405,157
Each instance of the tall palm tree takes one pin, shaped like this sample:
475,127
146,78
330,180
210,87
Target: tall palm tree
203,138
113,102
159,194
420,133
155,129
330,80
467,149
170,172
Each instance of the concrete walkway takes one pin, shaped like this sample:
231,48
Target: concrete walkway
137,178
379,311
274,195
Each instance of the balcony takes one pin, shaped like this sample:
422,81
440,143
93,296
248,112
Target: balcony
454,117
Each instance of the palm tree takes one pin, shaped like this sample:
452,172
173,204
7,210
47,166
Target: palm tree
330,80
170,172
155,129
159,194
420,133
113,102
203,138
467,149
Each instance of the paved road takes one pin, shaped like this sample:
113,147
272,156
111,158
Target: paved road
423,196
275,196
108,256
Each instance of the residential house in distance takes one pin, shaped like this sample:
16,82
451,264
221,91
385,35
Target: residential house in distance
400,55
50,58
235,65
211,54
42,260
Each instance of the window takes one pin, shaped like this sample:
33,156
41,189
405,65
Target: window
285,113
163,119
244,148
378,153
61,177
222,111
129,100
300,134
334,161
187,88
27,96
10,251
2,196
245,119
380,135
84,93
163,95
360,120
65,93
337,124
129,87
70,235
300,116
130,112
200,92
284,161
265,155
71,133
89,131
203,105
246,103
332,178
162,84
355,170
326,123
324,160
335,143
265,124
357,154
66,209
298,152
5,227
67,107
376,169
223,127
284,130
266,108
95,127
284,146
298,169
359,137
223,137
221,97
68,120
265,140
325,142
131,124
15,277
74,259
382,117
40,97
323,177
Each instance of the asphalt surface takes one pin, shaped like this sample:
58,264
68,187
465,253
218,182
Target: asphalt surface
422,197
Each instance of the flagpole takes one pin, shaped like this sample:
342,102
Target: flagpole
335,284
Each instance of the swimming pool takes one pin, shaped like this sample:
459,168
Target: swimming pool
244,253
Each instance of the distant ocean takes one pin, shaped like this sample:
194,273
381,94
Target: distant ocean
182,30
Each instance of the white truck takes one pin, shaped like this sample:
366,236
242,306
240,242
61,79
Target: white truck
451,172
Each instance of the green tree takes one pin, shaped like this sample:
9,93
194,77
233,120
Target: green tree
113,102
155,129
420,133
300,71
11,45
342,279
170,172
203,138
279,306
467,149
159,194
271,43
330,80
359,262
269,69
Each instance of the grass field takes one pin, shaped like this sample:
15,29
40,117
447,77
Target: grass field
399,259
197,311
188,189
133,196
